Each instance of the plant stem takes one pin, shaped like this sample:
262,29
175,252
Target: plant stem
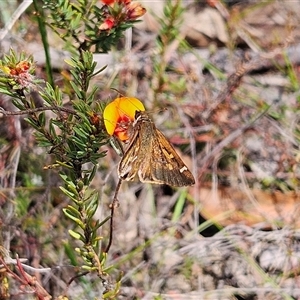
42,27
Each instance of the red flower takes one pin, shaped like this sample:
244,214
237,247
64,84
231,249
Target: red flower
20,72
107,24
122,11
108,2
135,10
20,68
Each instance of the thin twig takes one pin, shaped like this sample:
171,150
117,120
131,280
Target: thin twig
16,15
77,276
37,109
113,205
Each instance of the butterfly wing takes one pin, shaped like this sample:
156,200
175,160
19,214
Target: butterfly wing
151,157
164,166
129,164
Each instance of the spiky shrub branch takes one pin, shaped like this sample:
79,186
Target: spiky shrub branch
83,24
169,31
75,134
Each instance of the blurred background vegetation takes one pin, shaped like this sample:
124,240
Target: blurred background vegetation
220,79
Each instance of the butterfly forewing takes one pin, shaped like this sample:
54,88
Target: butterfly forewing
167,166
151,157
129,164
135,155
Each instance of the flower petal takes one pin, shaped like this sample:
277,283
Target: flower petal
121,110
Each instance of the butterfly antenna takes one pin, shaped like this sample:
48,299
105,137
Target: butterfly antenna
116,90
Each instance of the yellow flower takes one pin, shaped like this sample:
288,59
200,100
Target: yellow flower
119,115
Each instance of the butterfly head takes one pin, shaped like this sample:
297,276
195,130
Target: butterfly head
139,116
